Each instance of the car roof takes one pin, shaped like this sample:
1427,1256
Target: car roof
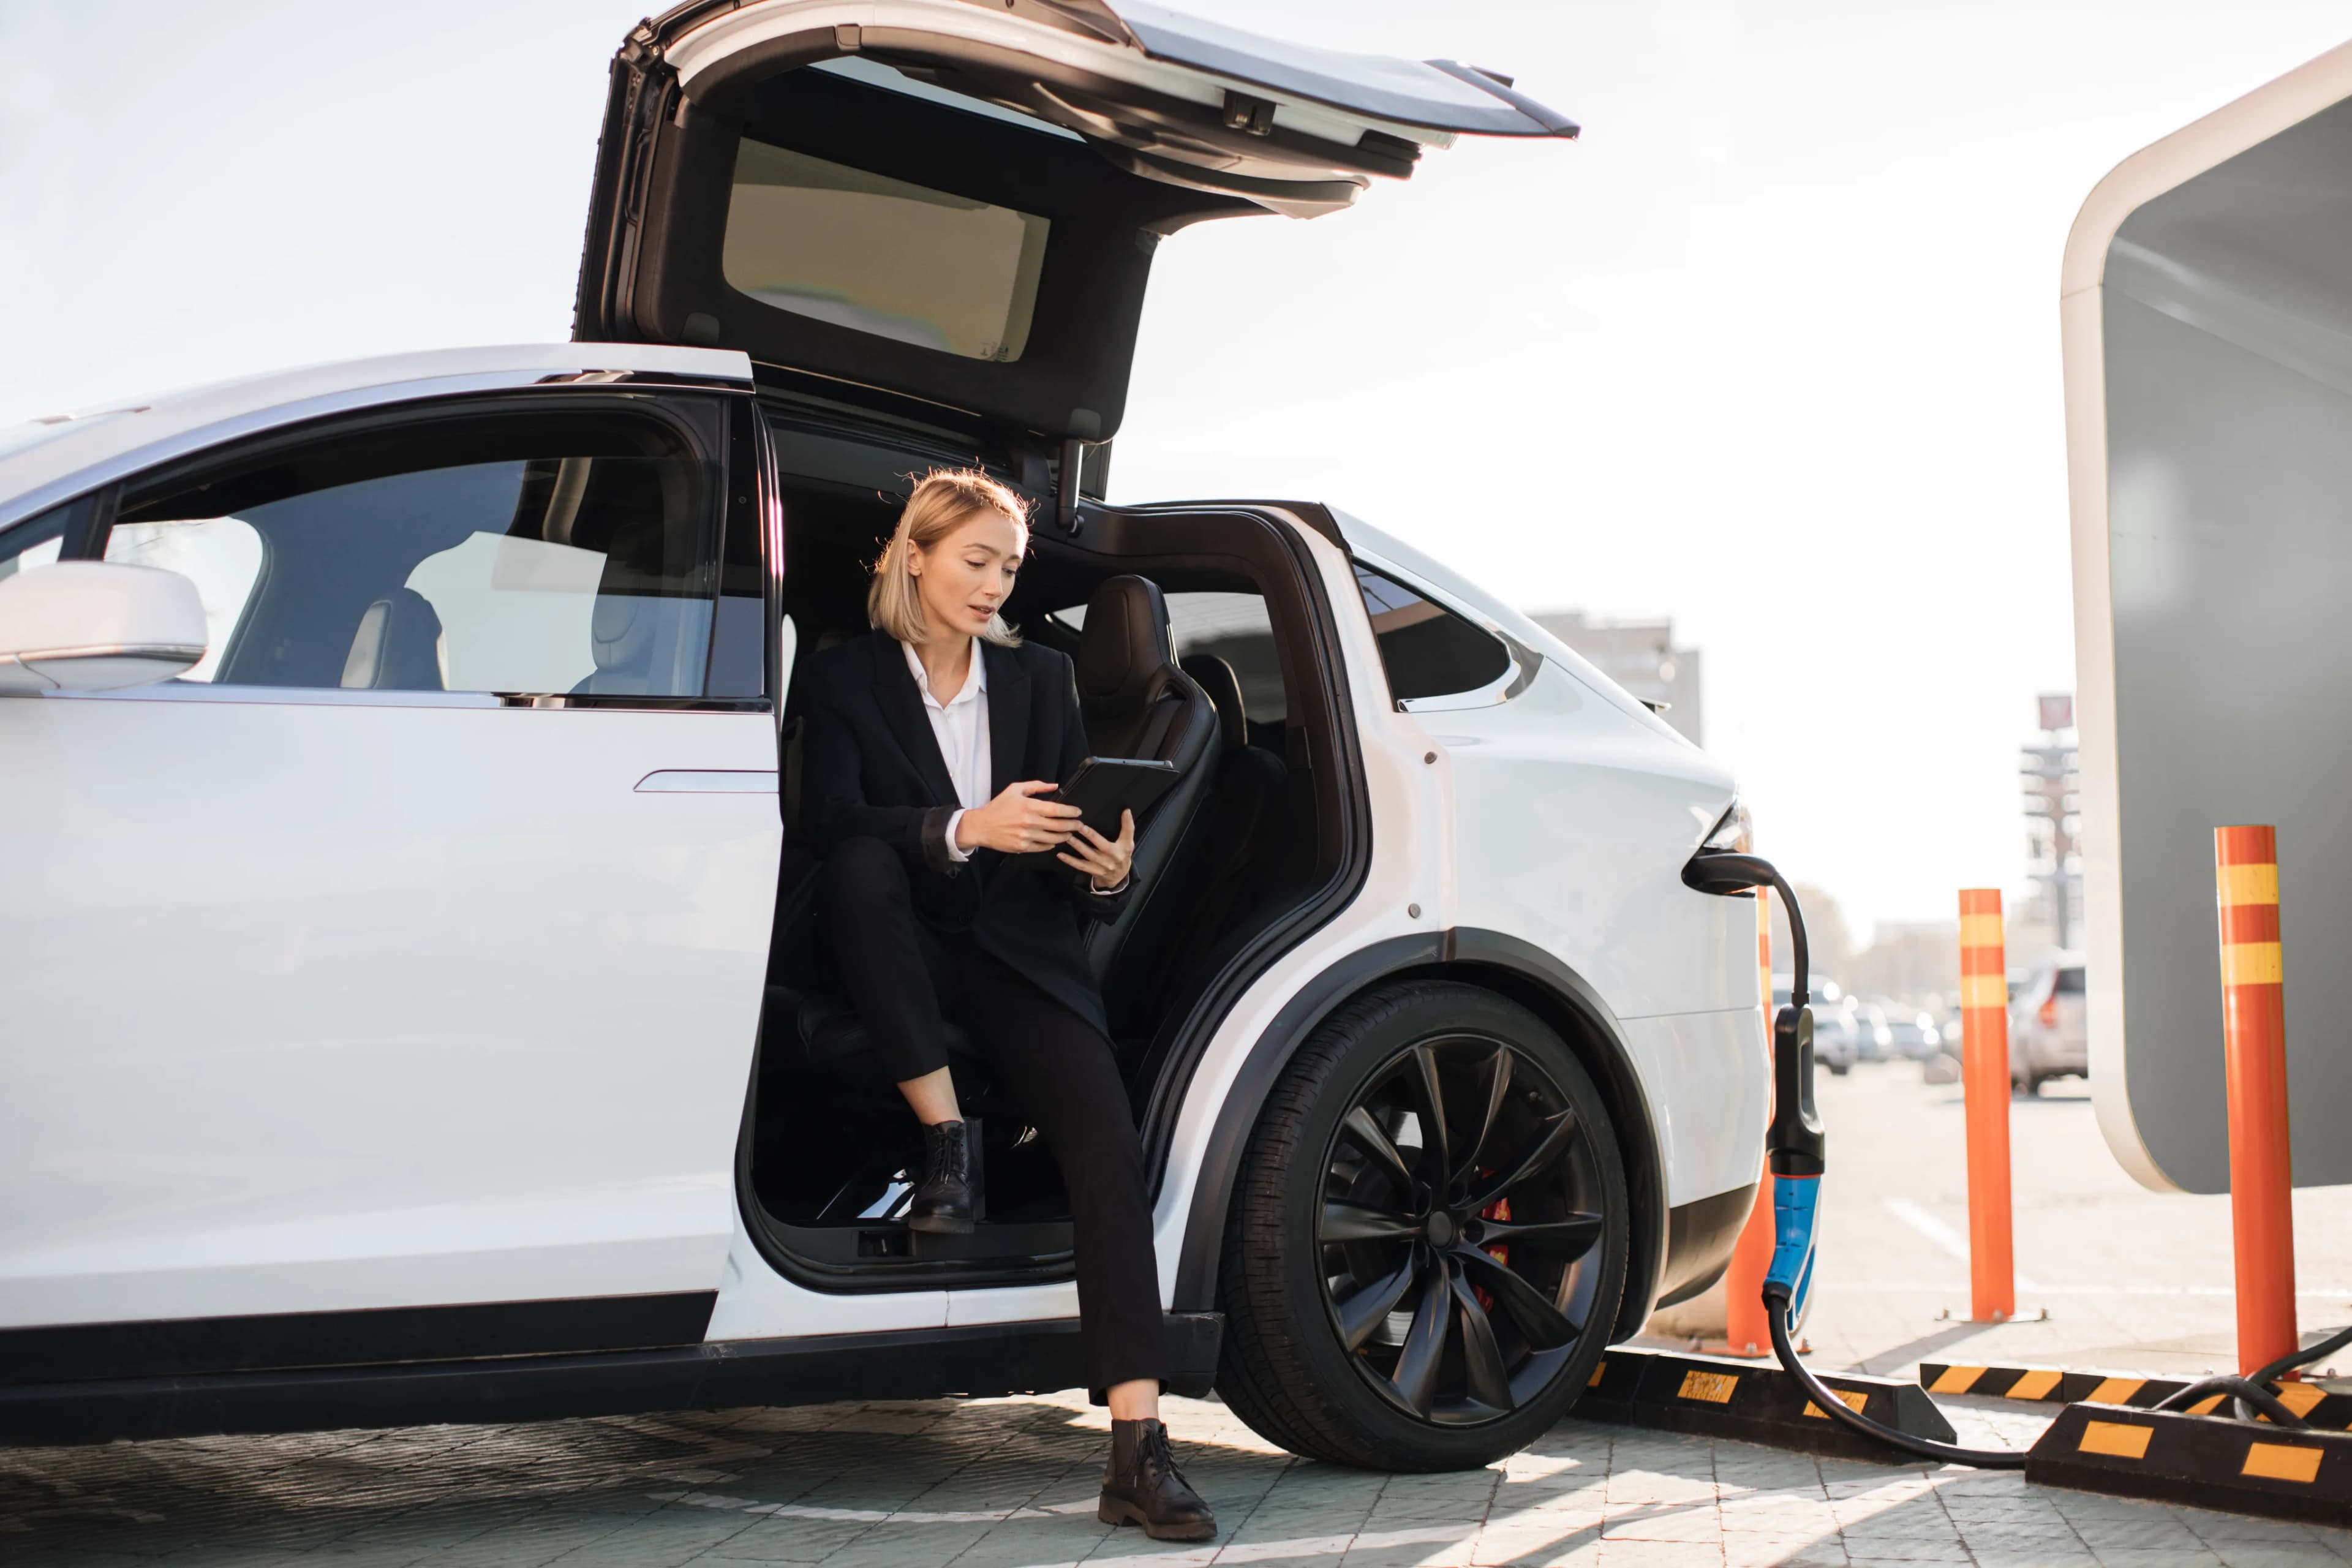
52,459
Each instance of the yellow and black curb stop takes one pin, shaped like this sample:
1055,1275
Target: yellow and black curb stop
2323,1405
2198,1461
1711,1397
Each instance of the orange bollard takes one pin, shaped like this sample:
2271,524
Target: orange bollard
1984,1078
2254,1024
1746,1328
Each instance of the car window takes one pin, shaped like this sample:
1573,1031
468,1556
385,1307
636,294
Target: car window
860,250
1234,627
1427,650
541,553
35,542
2070,983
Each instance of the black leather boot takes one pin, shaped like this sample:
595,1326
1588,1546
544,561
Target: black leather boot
1144,1486
949,1190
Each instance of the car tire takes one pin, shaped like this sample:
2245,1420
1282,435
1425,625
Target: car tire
1838,1069
1375,1316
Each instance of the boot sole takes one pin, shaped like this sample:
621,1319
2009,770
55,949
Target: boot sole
1110,1511
939,1225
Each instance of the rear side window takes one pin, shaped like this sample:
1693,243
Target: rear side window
2070,983
1427,650
1234,627
882,256
541,553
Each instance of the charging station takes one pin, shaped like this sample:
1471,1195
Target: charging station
2206,309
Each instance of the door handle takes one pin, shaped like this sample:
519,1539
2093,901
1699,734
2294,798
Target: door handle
708,781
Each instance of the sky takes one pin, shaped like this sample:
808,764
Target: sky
1771,348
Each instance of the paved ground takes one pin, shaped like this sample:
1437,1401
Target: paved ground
2133,1281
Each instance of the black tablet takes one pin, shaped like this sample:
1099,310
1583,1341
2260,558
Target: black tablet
1105,787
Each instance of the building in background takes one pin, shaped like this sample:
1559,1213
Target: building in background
2053,916
1916,963
1640,657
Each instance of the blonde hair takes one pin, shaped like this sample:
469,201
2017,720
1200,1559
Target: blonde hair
942,501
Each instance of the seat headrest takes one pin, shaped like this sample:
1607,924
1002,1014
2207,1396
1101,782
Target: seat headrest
1125,646
396,646
1217,678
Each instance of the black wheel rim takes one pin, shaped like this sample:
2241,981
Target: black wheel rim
1461,1229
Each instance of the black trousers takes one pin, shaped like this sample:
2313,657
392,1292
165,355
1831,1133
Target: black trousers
905,980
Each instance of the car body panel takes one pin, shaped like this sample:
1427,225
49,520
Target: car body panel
1707,1076
323,1004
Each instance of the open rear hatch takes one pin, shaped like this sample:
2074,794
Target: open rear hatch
958,200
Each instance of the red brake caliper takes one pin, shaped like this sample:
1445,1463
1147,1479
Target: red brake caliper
1500,1209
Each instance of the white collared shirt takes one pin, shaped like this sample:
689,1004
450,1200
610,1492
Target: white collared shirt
960,724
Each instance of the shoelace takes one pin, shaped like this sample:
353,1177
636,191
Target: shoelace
949,1159
1155,1451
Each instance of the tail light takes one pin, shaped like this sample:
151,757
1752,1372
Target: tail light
2048,1013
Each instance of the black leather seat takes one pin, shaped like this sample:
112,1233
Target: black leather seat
1212,891
1136,702
1223,685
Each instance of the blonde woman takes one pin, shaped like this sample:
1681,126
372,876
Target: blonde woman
931,743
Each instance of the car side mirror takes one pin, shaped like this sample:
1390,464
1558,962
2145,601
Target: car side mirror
96,626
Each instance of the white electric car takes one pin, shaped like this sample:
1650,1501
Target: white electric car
412,1009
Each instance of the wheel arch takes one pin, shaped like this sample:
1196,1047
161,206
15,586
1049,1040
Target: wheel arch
1510,967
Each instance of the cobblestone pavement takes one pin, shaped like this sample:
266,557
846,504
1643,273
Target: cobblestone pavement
1010,1484
2134,1281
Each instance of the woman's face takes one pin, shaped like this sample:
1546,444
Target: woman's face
962,579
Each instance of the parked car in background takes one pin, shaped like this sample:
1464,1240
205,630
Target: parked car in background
2048,1028
1914,1034
1873,1036
1834,1027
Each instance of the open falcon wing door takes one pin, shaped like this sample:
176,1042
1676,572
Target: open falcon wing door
2207,313
959,199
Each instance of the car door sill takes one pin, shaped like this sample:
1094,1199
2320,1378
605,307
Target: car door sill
979,1360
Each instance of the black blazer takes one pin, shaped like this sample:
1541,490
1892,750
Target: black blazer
872,769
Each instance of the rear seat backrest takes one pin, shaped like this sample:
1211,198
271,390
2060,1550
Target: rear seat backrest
1137,704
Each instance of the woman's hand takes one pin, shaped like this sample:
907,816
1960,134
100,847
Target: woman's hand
1016,822
1105,862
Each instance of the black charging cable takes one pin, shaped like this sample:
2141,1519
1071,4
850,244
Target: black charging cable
1795,1146
2255,1389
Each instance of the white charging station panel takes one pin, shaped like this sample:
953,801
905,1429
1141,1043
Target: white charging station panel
2207,313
